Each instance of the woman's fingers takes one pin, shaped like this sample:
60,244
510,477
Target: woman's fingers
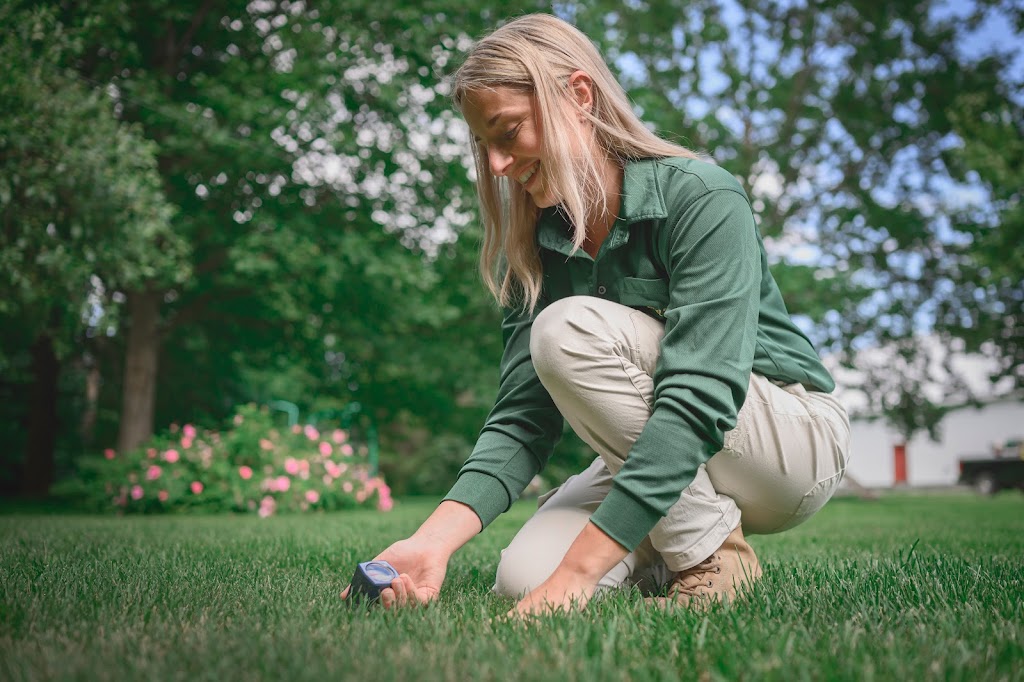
400,594
410,588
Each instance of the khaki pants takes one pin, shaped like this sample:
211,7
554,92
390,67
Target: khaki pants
778,467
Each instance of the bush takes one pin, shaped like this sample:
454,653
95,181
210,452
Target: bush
253,466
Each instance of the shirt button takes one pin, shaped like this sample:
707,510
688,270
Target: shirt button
602,290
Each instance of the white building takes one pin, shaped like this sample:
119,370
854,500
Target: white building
965,431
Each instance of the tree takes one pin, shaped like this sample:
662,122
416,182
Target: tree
79,199
318,175
836,114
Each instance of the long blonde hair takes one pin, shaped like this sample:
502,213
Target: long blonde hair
536,54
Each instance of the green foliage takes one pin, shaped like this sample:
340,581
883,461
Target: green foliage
290,180
252,466
840,118
988,311
81,204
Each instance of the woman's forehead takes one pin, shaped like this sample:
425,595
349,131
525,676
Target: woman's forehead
484,109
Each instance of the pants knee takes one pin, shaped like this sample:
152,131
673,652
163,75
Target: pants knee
518,574
553,332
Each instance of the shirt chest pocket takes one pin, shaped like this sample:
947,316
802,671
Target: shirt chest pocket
644,293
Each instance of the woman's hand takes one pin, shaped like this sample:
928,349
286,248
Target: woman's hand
422,560
421,568
592,554
563,591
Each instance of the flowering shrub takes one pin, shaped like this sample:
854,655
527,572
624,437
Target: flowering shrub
251,467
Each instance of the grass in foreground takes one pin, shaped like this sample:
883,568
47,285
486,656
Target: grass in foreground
908,587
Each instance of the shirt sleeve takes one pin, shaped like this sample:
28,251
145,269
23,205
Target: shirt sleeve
519,434
704,367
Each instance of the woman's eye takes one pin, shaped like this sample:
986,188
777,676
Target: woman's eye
511,134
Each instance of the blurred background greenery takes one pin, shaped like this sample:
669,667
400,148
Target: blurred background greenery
211,203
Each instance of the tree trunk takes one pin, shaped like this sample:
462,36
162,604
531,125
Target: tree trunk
39,467
87,427
141,359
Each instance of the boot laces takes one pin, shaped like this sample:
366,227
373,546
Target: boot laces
695,580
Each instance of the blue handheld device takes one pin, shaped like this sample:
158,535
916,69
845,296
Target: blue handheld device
370,578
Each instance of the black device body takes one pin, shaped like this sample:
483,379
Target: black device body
370,578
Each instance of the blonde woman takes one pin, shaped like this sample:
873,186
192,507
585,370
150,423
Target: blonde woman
639,308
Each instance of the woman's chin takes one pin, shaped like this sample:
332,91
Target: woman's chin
542,199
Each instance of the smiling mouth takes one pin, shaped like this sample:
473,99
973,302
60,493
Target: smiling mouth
525,177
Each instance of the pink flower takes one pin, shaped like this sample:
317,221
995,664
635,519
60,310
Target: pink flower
266,444
245,472
347,486
311,432
326,449
291,465
267,506
346,450
171,456
153,473
162,495
296,429
174,428
283,483
385,503
196,487
189,431
136,492
151,453
339,436
361,496
312,496
238,420
109,453
186,443
327,479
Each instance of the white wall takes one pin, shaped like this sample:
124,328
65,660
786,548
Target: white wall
966,431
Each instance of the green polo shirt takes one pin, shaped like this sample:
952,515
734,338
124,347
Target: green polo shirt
685,249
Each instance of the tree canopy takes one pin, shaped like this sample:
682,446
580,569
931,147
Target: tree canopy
206,205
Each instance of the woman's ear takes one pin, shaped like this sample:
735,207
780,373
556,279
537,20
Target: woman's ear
583,89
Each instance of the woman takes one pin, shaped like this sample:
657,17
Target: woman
640,308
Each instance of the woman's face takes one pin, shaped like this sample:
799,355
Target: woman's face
506,126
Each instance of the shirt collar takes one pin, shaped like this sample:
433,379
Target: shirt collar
641,200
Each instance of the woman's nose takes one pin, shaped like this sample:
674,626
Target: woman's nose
499,160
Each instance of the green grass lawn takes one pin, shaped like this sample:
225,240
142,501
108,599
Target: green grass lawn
907,587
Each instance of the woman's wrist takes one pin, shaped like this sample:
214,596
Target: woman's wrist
592,555
452,525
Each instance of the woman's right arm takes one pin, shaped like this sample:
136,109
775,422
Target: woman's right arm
513,446
422,559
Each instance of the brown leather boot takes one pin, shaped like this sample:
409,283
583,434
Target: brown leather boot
722,576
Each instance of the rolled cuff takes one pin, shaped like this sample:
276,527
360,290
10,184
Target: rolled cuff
624,519
482,493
